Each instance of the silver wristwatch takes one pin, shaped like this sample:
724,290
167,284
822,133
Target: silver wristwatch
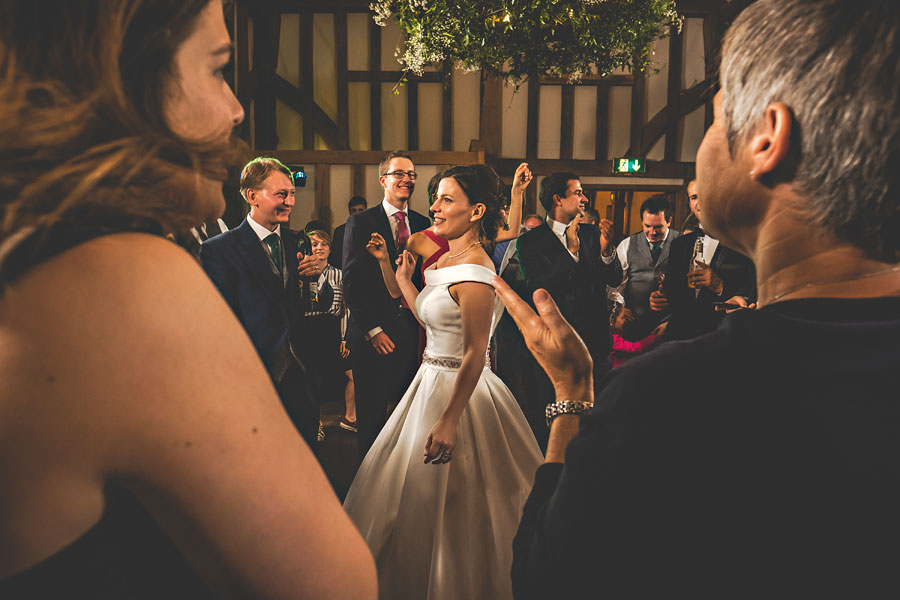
554,409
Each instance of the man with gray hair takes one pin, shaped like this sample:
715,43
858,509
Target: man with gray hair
788,484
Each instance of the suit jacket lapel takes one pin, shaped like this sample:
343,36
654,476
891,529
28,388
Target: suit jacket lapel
258,262
553,247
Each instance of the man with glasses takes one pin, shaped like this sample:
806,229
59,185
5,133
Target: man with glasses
382,333
574,263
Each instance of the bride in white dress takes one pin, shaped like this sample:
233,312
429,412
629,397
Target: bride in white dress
439,495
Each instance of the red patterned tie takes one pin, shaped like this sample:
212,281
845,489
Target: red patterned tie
402,230
402,237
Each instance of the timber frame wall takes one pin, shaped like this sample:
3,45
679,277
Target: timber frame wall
263,86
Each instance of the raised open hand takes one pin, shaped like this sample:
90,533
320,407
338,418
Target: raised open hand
553,342
573,243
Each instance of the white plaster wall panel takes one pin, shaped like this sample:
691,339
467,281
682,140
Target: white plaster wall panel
515,120
619,120
430,115
419,201
658,151
391,39
358,41
288,65
694,59
341,184
549,121
539,208
249,117
324,73
466,108
584,141
290,127
374,192
305,200
657,83
360,117
393,117
693,134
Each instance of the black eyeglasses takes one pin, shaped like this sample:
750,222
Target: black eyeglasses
401,174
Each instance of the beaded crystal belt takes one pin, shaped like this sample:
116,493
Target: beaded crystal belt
448,363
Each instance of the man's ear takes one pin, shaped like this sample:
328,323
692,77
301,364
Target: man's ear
381,181
251,197
556,200
770,142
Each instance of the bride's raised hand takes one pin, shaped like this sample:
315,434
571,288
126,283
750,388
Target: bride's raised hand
406,265
377,248
441,442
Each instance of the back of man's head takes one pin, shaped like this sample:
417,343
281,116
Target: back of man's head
836,65
655,204
554,185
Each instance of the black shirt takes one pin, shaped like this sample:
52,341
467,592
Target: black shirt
761,459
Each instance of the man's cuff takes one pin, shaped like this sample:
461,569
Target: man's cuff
607,260
373,332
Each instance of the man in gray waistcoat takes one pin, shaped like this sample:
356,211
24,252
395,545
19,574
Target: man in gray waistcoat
644,257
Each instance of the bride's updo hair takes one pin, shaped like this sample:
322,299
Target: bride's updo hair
482,185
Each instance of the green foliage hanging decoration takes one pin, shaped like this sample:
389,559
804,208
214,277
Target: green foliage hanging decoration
518,39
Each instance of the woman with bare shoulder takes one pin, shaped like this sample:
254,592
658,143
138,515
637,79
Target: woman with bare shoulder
141,456
439,494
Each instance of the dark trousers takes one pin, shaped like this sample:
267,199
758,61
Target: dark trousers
299,403
523,376
322,357
381,379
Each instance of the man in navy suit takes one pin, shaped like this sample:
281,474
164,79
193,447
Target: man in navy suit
574,264
254,266
689,290
382,334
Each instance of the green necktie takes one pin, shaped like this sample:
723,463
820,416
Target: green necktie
274,243
655,249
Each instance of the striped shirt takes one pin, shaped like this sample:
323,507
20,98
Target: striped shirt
338,307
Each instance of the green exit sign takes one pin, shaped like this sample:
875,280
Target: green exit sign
629,165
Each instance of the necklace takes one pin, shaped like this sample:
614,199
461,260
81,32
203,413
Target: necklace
469,247
854,277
